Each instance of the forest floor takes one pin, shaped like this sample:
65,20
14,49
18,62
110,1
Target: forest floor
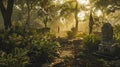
67,56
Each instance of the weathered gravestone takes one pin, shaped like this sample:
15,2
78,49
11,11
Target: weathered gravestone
107,34
108,49
107,46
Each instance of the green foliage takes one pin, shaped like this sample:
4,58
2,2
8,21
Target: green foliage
15,45
18,58
117,33
11,39
71,34
102,3
5,43
39,11
91,42
43,51
81,35
117,29
107,5
91,60
103,63
67,8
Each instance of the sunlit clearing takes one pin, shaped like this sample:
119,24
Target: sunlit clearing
62,20
83,2
98,13
81,15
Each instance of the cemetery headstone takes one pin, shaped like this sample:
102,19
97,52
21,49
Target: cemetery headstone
107,33
106,46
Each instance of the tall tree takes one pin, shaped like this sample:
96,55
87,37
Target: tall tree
48,11
73,6
76,17
7,12
28,8
69,7
34,9
91,22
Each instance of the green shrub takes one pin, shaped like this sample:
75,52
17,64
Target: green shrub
43,51
117,30
71,34
117,39
5,43
18,58
41,47
9,41
91,42
117,34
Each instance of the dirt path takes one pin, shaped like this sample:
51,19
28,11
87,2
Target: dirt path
68,56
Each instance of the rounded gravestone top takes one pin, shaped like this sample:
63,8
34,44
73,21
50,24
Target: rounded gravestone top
107,33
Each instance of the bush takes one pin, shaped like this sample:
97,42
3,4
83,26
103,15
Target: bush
18,58
8,41
43,51
117,30
41,47
71,34
117,34
5,43
91,43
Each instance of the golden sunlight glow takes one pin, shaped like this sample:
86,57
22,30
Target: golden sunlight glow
83,2
81,15
88,7
61,1
98,13
55,1
18,7
62,20
58,1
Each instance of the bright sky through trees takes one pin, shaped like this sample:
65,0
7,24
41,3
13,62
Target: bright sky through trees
62,20
83,2
81,15
98,13
58,1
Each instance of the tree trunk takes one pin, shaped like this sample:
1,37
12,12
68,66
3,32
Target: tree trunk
45,21
7,13
7,21
76,18
91,22
45,25
28,14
